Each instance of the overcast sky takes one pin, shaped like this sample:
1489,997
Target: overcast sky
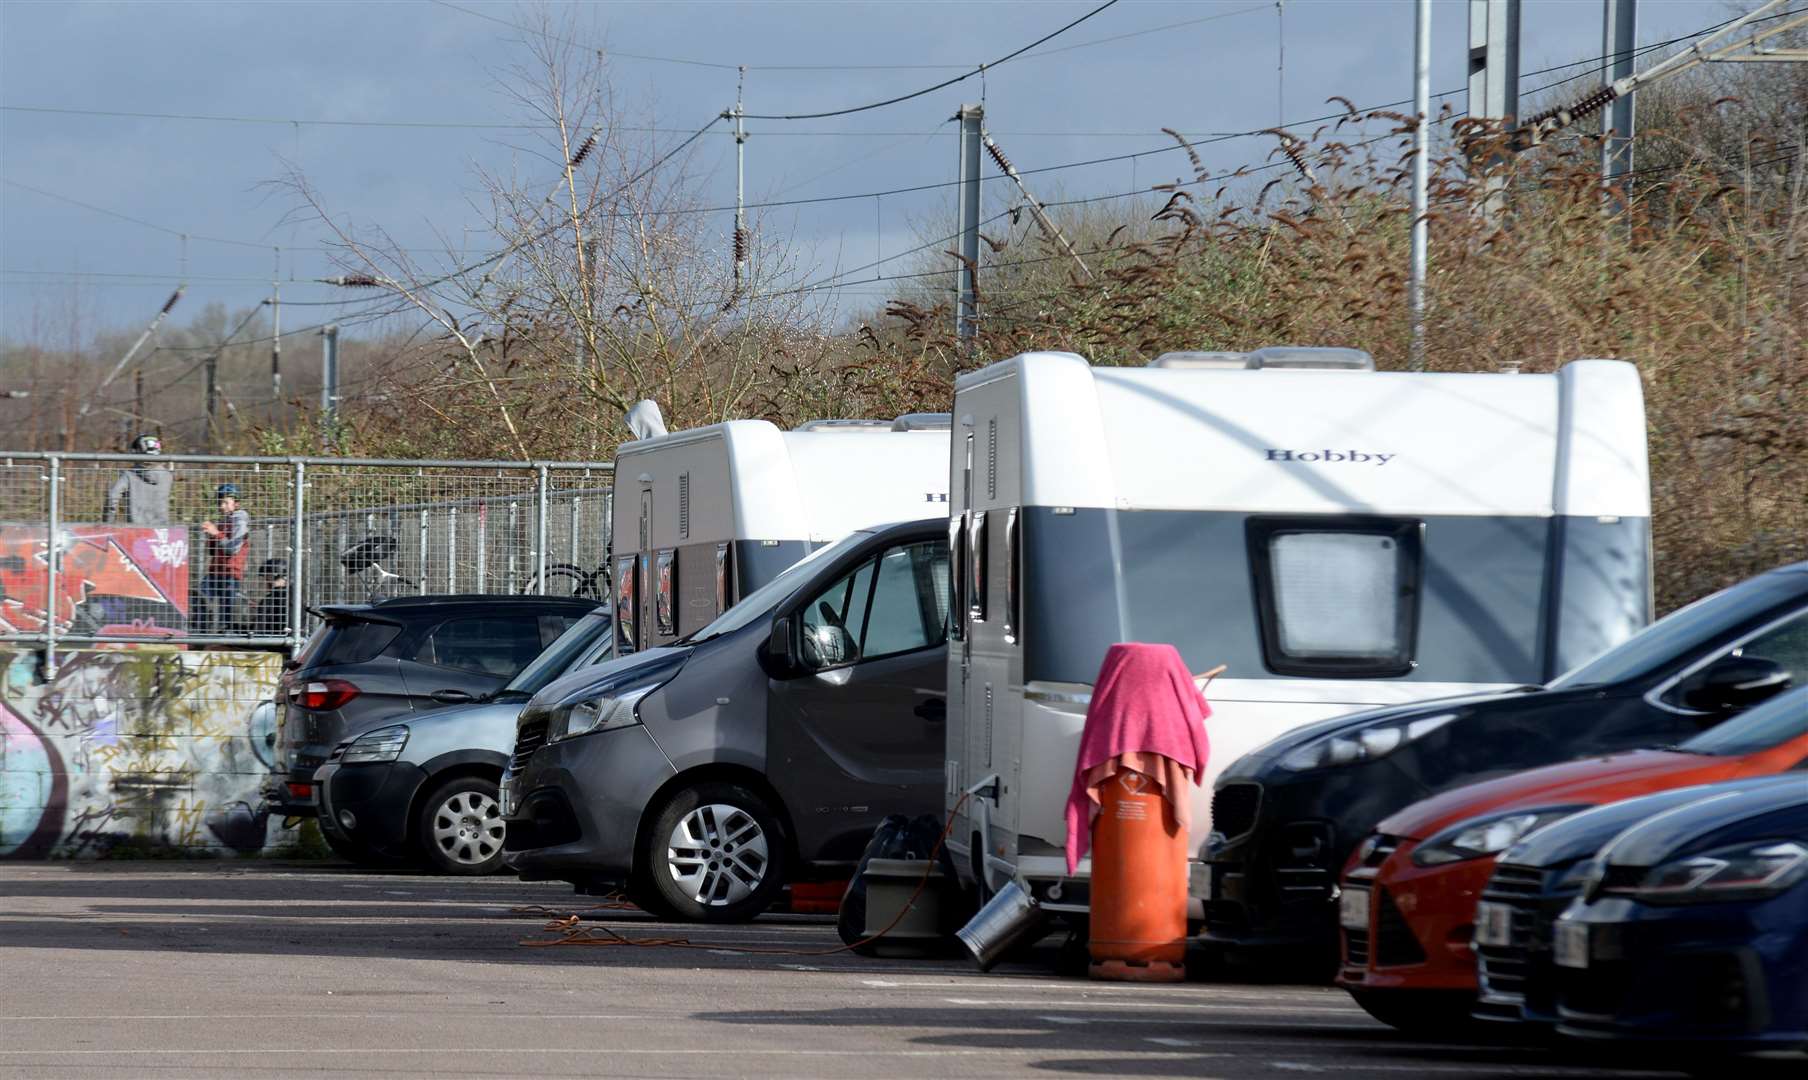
418,62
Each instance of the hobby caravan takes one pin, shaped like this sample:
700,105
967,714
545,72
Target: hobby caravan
1339,538
705,516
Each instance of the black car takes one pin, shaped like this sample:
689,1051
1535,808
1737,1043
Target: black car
1538,877
369,662
1286,816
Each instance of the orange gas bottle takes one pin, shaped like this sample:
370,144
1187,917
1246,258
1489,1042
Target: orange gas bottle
1139,883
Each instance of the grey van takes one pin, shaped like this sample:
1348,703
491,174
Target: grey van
765,748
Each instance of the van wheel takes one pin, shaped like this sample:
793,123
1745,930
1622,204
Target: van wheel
460,828
715,854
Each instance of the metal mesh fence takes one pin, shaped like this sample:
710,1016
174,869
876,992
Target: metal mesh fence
208,549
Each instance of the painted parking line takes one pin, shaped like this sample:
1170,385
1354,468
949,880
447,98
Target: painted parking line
1203,1005
613,1051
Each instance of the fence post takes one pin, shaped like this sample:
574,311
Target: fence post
298,556
540,533
51,557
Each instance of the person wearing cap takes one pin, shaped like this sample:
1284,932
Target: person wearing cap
140,494
228,548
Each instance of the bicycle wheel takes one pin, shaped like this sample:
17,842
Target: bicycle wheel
563,579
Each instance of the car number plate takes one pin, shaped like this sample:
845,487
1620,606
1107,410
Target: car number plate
1569,945
1493,925
1353,909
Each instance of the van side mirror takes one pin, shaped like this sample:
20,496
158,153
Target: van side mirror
780,655
1734,682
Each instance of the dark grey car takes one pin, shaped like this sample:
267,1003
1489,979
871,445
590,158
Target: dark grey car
369,662
424,787
768,748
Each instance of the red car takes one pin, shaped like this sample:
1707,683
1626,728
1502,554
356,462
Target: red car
1410,891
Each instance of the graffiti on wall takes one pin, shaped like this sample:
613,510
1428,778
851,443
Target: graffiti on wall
111,579
138,751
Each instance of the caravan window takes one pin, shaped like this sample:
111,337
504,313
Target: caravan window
1337,601
665,610
1013,582
626,619
957,547
976,565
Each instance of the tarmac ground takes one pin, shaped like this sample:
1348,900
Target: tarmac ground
257,969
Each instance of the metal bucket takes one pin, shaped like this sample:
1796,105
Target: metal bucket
1007,918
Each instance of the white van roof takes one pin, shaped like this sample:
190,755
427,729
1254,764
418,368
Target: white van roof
818,484
1325,441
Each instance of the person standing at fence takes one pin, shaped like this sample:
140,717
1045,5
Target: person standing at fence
140,494
270,618
228,547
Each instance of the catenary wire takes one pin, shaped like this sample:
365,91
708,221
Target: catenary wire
944,84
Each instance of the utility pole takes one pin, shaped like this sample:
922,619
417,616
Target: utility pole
1493,83
276,333
213,398
1619,32
329,378
137,396
966,309
740,187
1280,64
1421,179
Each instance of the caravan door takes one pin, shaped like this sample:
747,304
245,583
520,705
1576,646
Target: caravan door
861,734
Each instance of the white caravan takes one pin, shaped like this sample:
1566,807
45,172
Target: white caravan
1339,538
703,517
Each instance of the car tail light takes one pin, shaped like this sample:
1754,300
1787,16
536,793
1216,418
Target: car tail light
323,695
300,790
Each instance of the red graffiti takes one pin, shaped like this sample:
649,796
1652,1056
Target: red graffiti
111,579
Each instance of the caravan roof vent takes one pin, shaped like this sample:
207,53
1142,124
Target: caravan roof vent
924,421
844,425
1313,358
1201,360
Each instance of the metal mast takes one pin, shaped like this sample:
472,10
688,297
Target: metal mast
1421,180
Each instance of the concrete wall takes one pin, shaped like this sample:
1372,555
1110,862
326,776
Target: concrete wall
142,751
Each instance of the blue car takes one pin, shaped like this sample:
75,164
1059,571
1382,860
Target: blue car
1692,929
1540,876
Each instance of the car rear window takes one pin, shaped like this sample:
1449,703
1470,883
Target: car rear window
352,642
486,645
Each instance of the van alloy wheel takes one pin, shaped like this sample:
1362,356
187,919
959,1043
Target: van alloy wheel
467,828
717,855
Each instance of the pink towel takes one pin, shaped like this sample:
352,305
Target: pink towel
1145,706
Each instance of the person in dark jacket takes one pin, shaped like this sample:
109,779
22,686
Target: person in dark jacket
140,494
228,547
270,618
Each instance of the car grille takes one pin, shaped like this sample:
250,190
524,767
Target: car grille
1356,947
1306,865
1521,974
1234,808
529,737
1394,940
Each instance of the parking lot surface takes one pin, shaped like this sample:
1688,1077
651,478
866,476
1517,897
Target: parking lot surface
258,969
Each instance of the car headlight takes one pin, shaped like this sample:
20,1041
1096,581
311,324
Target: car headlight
383,744
1481,837
1364,744
1750,871
617,710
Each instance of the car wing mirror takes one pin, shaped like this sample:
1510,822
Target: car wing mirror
1735,682
452,697
780,653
